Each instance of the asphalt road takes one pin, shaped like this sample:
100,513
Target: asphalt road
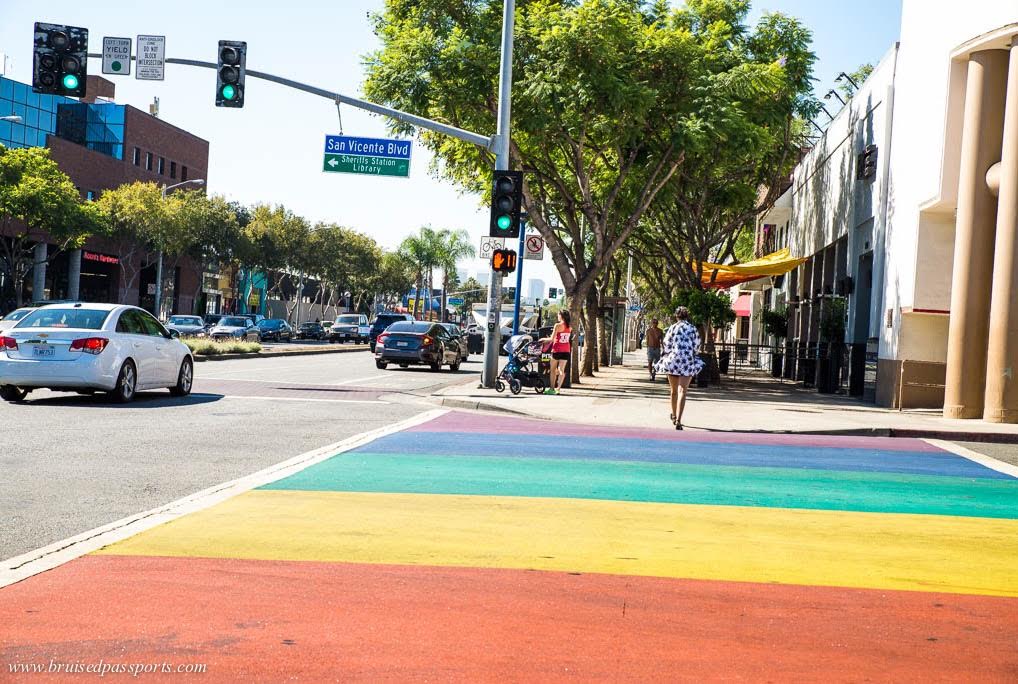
71,463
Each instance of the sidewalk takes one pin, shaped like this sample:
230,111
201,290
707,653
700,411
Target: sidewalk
624,396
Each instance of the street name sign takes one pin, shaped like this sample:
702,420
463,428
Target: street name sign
151,58
117,56
368,156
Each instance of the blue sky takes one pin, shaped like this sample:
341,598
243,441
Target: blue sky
271,150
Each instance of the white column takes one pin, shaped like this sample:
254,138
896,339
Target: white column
74,274
39,272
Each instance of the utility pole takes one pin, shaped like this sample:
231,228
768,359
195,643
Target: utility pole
159,257
493,336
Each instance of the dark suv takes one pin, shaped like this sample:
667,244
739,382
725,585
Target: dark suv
383,321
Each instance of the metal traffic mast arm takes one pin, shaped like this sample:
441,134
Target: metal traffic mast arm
487,142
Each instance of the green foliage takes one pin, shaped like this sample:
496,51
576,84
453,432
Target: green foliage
708,308
206,347
833,319
775,322
36,199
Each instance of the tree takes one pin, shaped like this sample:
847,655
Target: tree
472,292
134,216
608,97
279,244
214,234
393,279
707,212
453,245
422,250
38,203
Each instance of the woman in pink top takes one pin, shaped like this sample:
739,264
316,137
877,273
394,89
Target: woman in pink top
561,346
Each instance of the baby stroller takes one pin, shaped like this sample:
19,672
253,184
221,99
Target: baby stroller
521,369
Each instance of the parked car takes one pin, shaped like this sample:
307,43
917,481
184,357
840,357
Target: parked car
239,328
461,338
11,319
275,330
92,347
350,327
212,319
383,321
187,326
417,342
326,325
310,331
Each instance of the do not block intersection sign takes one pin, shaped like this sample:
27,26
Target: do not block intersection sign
368,156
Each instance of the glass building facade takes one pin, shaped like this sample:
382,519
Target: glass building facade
98,126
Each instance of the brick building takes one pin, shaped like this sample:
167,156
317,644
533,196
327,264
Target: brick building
100,145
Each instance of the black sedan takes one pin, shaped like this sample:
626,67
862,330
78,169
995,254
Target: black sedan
417,343
311,331
275,330
187,326
460,336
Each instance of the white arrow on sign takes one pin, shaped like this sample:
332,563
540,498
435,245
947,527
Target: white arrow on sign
332,162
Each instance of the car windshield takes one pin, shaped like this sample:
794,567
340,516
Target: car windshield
184,320
383,321
409,327
309,326
88,319
17,314
348,319
235,322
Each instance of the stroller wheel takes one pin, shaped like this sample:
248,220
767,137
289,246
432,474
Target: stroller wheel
515,386
499,386
539,386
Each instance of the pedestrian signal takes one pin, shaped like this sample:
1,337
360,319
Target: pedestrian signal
503,261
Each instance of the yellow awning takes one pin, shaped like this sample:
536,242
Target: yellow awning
776,263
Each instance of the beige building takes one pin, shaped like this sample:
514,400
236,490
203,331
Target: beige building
908,208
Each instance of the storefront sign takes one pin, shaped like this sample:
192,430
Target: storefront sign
99,258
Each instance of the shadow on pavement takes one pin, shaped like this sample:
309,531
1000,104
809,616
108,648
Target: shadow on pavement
153,399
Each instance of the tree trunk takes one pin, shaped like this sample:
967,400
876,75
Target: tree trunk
445,294
590,334
575,312
602,340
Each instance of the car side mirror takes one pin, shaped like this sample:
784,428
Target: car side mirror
174,334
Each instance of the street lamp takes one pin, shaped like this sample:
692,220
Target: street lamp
159,259
13,118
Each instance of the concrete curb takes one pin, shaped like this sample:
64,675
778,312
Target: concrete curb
901,433
271,355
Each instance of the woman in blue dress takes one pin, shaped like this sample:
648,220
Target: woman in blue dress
680,361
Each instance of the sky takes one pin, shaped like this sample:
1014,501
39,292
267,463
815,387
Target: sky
271,150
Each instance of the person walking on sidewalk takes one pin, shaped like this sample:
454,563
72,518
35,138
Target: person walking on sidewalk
680,361
561,346
653,337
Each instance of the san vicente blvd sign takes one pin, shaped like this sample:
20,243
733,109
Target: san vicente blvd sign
368,156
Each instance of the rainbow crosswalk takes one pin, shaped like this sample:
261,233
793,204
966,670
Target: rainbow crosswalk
476,547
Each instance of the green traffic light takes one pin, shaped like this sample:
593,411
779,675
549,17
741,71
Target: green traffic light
504,222
70,82
229,92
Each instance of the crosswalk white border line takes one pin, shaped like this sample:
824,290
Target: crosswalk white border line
48,557
981,459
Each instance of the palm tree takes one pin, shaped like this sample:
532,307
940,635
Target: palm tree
422,250
453,246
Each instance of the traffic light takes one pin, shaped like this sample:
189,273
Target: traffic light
231,72
503,261
552,292
506,201
60,62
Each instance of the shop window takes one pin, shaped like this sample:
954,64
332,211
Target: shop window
173,169
137,157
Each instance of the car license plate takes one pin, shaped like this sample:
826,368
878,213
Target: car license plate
402,344
43,350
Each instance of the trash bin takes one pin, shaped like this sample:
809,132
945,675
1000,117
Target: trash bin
724,357
703,377
777,363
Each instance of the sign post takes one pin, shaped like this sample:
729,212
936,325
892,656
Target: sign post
117,56
369,156
151,58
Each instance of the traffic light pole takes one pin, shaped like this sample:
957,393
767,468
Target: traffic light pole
493,335
519,280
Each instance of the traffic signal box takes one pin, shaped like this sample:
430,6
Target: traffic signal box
503,261
60,60
231,73
506,204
